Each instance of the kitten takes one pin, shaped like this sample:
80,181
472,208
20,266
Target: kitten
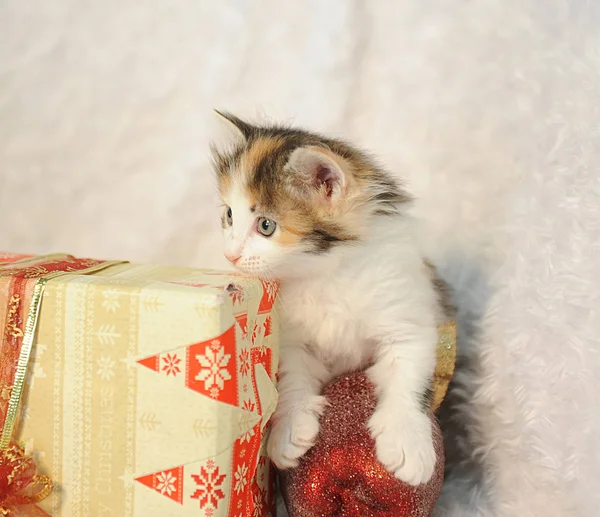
322,218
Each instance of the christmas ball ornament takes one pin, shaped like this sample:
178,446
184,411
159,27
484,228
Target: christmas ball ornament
340,475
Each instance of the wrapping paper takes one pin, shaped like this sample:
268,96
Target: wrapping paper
148,390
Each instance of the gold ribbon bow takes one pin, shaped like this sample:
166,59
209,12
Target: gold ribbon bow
21,488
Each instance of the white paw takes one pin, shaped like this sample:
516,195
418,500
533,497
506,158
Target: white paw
294,432
404,444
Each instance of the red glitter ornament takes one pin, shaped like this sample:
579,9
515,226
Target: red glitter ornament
340,475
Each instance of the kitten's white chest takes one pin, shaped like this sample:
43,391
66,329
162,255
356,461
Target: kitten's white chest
328,319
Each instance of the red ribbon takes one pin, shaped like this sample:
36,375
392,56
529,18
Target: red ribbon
21,488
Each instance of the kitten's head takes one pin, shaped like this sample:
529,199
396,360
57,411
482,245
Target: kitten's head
291,197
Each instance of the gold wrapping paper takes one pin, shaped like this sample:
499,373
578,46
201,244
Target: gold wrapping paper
149,389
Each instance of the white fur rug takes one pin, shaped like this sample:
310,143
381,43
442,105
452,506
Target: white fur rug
489,109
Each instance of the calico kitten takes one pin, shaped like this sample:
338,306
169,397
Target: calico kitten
322,218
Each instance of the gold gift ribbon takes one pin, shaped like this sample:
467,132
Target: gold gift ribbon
27,346
446,360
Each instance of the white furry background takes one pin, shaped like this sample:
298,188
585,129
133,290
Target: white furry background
490,109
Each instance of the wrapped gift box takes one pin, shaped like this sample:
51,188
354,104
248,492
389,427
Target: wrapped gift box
139,390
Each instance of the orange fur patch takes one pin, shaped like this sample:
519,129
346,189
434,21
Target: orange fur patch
287,238
296,223
259,148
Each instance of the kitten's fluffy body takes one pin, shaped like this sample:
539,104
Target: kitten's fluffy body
355,291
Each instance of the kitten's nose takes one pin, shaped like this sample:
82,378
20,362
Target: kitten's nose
232,257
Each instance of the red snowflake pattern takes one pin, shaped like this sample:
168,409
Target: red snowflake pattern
236,293
209,512
256,332
171,364
249,405
209,482
258,504
244,362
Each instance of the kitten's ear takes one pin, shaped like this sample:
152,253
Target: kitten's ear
318,169
230,130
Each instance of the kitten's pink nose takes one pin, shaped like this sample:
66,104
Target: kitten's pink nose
232,257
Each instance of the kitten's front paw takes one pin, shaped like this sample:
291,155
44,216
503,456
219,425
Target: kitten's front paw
294,432
404,444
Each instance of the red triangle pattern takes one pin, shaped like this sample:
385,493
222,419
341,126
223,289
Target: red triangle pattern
166,482
211,368
242,320
267,325
152,362
270,290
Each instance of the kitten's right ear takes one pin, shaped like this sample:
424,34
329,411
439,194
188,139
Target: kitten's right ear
231,131
319,170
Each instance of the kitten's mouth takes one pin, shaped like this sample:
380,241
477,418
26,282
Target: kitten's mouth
251,265
246,270
255,272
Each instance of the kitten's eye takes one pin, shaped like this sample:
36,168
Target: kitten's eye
266,226
229,216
